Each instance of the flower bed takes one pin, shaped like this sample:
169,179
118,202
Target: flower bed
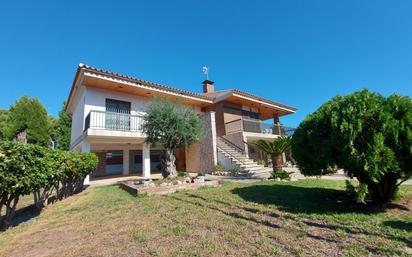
165,186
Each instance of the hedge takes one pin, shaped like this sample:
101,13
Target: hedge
26,169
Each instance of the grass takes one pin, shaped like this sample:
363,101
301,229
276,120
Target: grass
303,218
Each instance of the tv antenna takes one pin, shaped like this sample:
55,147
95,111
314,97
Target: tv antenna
205,70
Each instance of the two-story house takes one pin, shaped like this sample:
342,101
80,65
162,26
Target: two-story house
107,110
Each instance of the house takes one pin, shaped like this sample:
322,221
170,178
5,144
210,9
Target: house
107,111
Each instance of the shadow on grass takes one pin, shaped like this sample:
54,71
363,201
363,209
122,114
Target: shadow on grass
320,202
399,224
298,199
315,200
24,214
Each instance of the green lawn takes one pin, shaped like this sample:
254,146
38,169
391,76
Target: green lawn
303,218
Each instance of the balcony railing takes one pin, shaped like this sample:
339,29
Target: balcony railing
256,126
113,121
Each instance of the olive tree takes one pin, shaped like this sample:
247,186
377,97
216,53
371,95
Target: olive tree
173,126
364,133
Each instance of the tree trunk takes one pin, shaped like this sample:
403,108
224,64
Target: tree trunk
168,164
11,204
37,199
277,162
383,191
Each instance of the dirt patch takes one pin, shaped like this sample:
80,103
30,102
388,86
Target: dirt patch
49,242
402,206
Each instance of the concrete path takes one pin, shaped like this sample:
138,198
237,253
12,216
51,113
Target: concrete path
103,181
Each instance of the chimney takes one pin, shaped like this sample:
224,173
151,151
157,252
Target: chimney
208,86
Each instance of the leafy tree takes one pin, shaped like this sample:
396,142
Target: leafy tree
364,133
275,149
28,114
173,126
61,129
21,172
28,168
3,115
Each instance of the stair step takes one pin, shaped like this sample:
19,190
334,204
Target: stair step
249,168
257,168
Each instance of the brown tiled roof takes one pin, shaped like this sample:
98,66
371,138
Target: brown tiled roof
147,83
246,94
208,97
229,92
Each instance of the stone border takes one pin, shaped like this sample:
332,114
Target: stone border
162,190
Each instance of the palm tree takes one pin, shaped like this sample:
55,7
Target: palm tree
275,149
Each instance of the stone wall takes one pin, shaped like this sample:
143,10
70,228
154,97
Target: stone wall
202,156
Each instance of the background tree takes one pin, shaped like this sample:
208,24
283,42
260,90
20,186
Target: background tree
28,114
3,115
367,135
62,129
173,126
274,149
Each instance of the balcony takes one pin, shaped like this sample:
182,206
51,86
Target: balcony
113,121
257,126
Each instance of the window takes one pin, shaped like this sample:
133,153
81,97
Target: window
114,162
117,115
117,106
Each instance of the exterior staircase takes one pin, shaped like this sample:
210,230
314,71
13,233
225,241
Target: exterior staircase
248,167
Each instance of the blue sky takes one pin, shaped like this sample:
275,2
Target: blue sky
300,53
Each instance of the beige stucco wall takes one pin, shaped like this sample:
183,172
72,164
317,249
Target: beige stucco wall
202,156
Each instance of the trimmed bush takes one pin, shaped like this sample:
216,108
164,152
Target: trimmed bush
21,173
364,133
26,169
282,175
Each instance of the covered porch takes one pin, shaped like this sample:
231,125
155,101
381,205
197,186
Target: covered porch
126,158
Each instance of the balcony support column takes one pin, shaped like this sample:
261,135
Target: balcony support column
146,160
126,161
86,149
276,122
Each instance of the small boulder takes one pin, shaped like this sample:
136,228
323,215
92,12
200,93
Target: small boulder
200,179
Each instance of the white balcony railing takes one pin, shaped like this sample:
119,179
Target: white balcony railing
113,121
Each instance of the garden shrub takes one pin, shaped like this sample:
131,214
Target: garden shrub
283,175
21,173
235,170
26,169
182,174
364,133
218,168
262,162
